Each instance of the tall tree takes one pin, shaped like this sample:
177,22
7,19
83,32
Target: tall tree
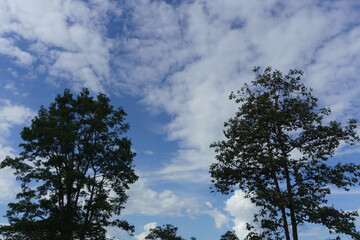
74,170
166,232
276,151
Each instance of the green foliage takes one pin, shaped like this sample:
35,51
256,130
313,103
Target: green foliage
229,235
276,151
74,170
166,232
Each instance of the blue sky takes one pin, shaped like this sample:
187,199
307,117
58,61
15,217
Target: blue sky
171,65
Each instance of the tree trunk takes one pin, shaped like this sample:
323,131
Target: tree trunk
291,203
286,227
69,210
282,209
287,177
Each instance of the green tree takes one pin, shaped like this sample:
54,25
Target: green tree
229,235
276,151
74,170
166,232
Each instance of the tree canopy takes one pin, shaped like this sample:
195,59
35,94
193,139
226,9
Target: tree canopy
166,232
229,235
74,170
276,150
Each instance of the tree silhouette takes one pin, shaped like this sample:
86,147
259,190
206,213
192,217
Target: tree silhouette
166,232
276,151
229,235
74,169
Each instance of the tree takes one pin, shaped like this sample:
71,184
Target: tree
229,235
166,232
74,170
276,151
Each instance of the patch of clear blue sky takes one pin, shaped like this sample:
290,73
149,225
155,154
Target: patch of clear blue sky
146,132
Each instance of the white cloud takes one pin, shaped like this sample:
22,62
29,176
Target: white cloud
149,152
7,48
334,74
219,217
185,166
10,115
147,228
143,200
8,184
68,38
185,60
353,191
11,87
242,211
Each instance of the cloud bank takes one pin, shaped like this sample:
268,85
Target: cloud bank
185,59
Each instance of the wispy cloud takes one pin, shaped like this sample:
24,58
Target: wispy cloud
149,152
313,232
21,57
186,59
144,200
67,39
219,217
